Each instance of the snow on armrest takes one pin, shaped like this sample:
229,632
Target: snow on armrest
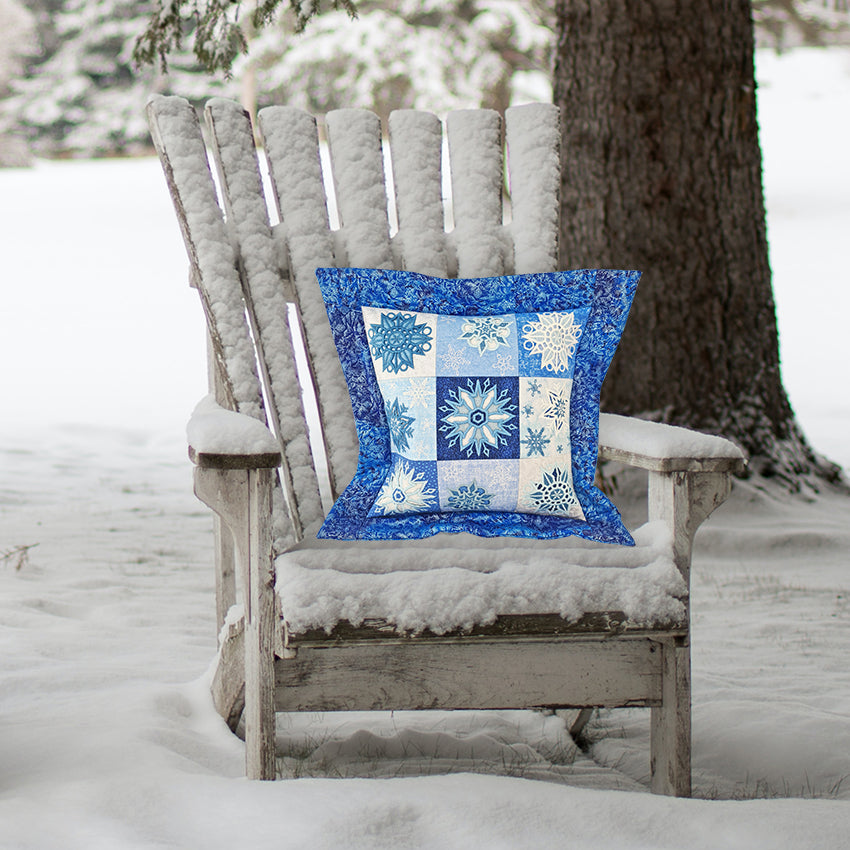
665,448
222,439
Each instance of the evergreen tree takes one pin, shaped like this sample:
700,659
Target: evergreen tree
86,96
17,39
425,54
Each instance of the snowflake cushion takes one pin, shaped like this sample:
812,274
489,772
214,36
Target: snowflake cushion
478,410
476,401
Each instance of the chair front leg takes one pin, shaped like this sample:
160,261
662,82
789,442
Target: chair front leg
242,498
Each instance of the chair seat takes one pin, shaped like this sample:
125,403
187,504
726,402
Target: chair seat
459,582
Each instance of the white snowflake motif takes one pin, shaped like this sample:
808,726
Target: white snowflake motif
505,364
404,492
486,333
453,360
534,442
554,336
478,417
420,393
558,410
470,497
555,495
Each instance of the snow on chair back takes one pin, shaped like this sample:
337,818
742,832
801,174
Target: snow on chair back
177,137
234,264
479,245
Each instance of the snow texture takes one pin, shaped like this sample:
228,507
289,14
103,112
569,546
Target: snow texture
214,430
416,140
475,155
533,139
657,440
208,244
259,254
292,147
454,585
354,138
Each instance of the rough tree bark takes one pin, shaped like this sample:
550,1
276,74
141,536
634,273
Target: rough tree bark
662,173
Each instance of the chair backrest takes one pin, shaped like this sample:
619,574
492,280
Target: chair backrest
498,221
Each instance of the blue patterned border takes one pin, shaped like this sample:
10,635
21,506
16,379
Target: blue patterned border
609,294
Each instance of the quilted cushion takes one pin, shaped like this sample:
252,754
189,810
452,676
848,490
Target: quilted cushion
476,401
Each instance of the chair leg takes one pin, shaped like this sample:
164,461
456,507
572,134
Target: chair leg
670,747
242,498
259,632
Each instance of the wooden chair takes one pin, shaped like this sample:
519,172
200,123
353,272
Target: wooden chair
269,337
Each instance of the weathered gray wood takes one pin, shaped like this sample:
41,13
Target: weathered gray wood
260,627
225,563
210,460
576,729
470,673
683,500
242,498
228,685
670,745
609,623
671,464
225,571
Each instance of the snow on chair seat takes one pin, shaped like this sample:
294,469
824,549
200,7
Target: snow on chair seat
457,584
447,622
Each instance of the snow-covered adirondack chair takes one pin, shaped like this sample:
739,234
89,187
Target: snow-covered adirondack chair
330,625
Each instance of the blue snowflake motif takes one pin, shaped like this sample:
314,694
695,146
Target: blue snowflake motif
533,388
528,410
535,442
397,339
401,426
470,497
478,417
558,410
555,494
486,333
404,492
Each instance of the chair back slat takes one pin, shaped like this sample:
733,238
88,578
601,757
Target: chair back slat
232,143
291,141
357,162
475,157
416,146
176,133
273,264
533,141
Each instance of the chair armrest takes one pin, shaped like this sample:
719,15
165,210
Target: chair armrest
222,439
665,448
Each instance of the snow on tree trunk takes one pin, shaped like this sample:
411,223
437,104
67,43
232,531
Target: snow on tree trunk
662,173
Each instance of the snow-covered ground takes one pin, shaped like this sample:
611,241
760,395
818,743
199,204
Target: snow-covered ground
107,735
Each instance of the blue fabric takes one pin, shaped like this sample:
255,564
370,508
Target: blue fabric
391,459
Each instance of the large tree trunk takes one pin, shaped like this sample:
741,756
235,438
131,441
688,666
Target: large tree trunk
662,173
